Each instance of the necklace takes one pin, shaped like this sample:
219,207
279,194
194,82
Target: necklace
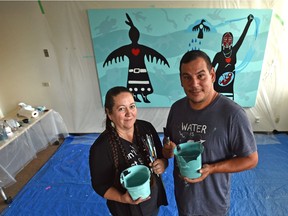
227,56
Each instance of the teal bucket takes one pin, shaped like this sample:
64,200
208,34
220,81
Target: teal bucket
136,180
188,157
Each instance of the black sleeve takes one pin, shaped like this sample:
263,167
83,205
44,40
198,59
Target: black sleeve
101,165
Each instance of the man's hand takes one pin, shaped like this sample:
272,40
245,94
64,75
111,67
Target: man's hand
168,150
205,171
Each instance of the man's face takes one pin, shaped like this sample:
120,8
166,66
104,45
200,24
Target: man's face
197,82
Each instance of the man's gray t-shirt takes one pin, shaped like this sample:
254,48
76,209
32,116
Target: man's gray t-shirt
225,131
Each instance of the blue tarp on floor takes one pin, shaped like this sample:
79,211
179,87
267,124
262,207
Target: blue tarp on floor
62,186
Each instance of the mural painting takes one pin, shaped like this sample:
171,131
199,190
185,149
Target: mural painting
141,48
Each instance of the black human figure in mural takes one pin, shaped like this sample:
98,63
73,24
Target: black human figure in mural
138,81
225,60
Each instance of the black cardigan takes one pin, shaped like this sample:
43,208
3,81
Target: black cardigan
102,170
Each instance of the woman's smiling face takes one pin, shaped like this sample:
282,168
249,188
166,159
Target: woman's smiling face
124,111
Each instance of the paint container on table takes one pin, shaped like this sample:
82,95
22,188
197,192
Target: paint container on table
189,160
136,180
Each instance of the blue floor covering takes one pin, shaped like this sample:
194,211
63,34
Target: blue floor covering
62,186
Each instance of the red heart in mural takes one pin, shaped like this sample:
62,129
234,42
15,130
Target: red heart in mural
135,51
228,60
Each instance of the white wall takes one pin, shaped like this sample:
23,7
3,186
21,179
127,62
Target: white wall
63,29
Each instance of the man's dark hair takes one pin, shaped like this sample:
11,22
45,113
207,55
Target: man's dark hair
194,54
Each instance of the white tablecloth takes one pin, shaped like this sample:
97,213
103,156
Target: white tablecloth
22,147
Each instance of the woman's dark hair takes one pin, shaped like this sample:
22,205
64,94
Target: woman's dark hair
114,139
193,55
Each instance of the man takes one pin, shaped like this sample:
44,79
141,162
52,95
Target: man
223,128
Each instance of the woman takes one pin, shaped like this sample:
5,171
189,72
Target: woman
121,146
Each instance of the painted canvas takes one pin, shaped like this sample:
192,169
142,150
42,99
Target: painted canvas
140,48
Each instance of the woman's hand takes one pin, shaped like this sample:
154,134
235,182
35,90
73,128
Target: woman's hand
158,166
126,198
113,194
